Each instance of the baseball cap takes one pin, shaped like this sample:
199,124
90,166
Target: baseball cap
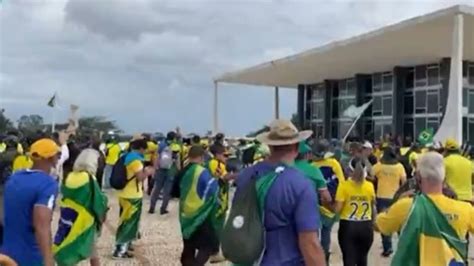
44,148
367,145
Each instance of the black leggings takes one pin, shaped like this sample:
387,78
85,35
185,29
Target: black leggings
355,240
199,247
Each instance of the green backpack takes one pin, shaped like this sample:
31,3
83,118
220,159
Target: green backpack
243,236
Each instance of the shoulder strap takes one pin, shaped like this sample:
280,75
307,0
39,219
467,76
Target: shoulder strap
264,183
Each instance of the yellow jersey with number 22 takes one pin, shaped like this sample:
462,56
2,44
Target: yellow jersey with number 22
356,199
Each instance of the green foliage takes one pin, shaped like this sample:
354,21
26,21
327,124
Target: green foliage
29,124
5,123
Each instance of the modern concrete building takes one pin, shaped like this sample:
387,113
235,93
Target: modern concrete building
419,73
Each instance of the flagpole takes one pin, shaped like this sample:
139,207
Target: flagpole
355,122
53,120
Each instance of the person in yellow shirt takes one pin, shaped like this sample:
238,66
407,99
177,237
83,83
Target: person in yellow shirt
149,160
431,174
112,154
217,167
355,201
131,197
389,175
458,171
334,175
22,162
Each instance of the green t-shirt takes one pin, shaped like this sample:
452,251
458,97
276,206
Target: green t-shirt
312,173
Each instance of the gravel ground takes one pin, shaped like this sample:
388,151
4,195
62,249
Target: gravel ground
161,240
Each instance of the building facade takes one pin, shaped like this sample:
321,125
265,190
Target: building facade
406,100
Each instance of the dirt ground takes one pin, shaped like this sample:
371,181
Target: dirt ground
161,240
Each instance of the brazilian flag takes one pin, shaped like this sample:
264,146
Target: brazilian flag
83,207
428,238
426,136
198,201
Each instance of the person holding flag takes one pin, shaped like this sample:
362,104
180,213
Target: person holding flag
433,227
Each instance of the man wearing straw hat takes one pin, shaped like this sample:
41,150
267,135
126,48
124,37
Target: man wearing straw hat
291,206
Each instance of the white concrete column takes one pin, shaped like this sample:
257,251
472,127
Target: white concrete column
216,109
451,126
277,103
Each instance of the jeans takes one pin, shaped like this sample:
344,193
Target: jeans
383,204
326,240
163,181
107,173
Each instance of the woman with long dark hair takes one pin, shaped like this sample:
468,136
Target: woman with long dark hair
355,200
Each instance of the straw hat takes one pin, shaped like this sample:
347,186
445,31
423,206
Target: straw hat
283,132
136,137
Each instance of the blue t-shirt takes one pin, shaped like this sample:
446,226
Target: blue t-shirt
291,207
23,191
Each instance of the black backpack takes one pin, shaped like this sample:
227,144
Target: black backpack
118,178
6,165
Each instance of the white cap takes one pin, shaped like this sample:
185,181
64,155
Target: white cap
367,145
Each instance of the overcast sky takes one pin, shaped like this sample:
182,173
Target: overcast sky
149,64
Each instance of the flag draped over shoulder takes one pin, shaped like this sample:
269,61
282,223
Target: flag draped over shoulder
82,207
198,201
428,239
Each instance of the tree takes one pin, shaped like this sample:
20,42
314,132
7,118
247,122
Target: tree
5,123
95,124
29,124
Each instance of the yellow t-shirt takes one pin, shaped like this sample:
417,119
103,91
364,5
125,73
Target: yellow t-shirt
357,200
329,167
133,189
151,150
113,153
458,175
22,162
412,158
3,147
460,215
217,168
389,179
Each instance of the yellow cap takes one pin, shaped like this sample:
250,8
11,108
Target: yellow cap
451,144
44,148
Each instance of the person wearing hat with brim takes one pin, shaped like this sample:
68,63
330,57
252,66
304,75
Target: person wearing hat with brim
458,171
29,200
291,203
334,175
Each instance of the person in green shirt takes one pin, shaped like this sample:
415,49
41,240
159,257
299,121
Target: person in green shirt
312,172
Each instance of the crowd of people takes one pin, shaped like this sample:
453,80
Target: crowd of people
290,191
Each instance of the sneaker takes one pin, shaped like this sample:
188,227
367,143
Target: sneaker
163,212
151,211
117,255
387,253
131,248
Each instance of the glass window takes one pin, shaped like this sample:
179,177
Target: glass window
420,125
377,106
471,74
420,72
368,85
471,130
377,82
410,79
408,104
464,128
335,110
342,88
387,82
464,96
368,128
471,101
377,131
334,131
433,123
420,102
335,91
387,105
344,128
433,76
351,87
408,128
433,104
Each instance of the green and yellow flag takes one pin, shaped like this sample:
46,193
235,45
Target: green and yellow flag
426,136
83,207
198,198
428,239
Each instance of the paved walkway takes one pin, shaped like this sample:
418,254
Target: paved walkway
161,240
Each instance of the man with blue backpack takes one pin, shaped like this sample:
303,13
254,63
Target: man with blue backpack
274,219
